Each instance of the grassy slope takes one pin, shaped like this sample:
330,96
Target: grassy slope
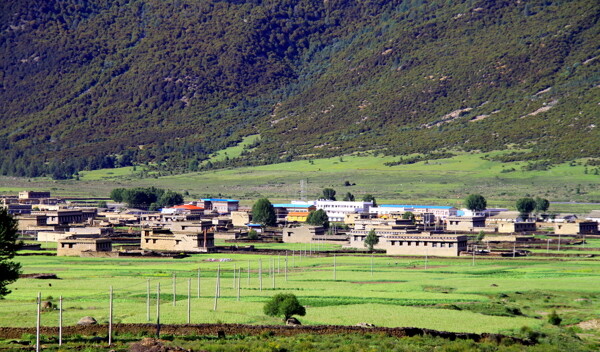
444,181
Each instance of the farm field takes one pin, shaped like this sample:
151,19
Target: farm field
450,294
444,181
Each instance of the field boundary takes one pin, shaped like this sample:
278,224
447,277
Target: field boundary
242,329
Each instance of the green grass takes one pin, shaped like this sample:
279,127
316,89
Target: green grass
399,292
443,182
235,151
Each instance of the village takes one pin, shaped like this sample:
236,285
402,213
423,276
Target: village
79,229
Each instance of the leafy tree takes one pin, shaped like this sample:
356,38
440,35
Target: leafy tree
525,205
284,304
263,212
370,198
541,205
475,202
102,204
9,271
349,197
371,240
318,218
329,194
170,198
480,236
408,215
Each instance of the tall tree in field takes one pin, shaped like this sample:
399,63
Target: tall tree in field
284,304
263,212
525,206
329,194
371,240
541,205
9,271
318,218
476,202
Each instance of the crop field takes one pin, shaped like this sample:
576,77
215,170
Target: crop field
443,181
443,294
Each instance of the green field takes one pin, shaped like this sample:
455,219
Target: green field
443,182
451,294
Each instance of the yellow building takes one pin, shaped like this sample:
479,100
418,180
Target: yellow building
299,216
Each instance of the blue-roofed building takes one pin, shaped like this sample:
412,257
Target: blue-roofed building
221,206
439,211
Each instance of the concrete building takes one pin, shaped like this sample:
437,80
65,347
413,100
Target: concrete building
221,206
32,195
465,223
297,216
16,208
63,217
439,211
432,244
73,246
182,239
337,210
240,218
576,228
515,227
302,234
282,210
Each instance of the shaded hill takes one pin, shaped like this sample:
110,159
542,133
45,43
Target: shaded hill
93,84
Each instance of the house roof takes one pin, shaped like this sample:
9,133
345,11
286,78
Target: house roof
219,200
188,207
416,206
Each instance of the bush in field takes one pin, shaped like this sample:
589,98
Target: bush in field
284,304
554,319
252,235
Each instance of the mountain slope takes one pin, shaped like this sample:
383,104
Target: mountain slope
90,84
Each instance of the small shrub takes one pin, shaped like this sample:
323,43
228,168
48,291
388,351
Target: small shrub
554,319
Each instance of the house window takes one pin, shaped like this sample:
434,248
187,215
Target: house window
450,245
442,244
433,244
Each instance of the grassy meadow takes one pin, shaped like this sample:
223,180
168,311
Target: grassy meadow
443,294
442,182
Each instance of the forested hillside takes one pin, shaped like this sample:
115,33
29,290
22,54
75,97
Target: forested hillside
89,84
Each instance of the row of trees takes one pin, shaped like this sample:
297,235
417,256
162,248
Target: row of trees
151,198
526,205
329,194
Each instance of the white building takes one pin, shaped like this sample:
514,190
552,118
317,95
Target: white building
439,211
337,210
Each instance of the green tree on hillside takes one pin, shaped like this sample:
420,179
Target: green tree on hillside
476,202
318,218
371,240
329,194
284,304
541,205
9,271
349,197
170,198
263,212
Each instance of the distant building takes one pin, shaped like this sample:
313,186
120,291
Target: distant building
337,210
183,209
515,227
191,237
33,195
465,223
297,216
439,211
282,210
73,246
576,228
240,218
302,234
221,206
443,245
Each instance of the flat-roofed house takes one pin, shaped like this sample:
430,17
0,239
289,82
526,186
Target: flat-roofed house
297,216
465,223
302,234
182,237
576,228
282,210
219,205
432,244
73,246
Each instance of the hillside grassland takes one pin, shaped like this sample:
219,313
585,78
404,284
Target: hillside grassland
443,181
443,294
